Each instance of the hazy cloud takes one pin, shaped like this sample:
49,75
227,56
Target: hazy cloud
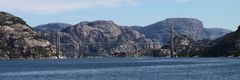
54,6
60,5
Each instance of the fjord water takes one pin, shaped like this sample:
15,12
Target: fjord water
122,69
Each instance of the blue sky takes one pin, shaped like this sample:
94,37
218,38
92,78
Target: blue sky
214,13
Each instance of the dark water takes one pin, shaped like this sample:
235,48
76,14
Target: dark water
122,69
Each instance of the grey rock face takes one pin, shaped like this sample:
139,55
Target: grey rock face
18,40
181,44
193,28
184,26
153,53
214,33
107,37
182,40
144,53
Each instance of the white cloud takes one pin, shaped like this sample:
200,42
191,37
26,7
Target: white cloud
53,6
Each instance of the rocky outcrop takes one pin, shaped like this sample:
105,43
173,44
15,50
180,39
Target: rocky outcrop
186,47
229,45
182,44
144,53
193,28
18,40
153,53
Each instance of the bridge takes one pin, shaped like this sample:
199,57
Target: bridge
172,44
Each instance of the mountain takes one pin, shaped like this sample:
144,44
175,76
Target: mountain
107,38
52,27
229,45
18,40
193,28
214,33
101,38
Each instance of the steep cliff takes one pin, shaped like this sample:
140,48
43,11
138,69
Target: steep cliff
18,40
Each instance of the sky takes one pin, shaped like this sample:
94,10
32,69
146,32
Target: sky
213,13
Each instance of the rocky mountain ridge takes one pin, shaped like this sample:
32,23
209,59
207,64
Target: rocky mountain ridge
18,40
191,27
108,31
102,38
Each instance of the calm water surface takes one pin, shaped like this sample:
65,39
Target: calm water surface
122,69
